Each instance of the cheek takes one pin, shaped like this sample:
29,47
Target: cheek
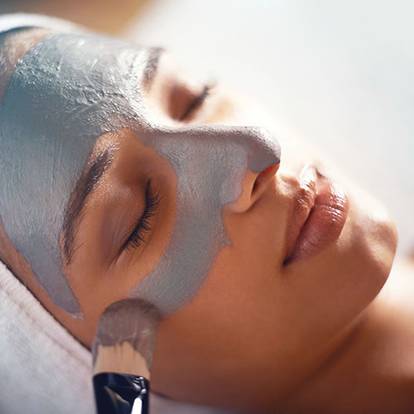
331,289
100,279
239,298
248,295
258,236
369,250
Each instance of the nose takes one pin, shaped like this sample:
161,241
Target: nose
235,163
263,148
264,161
263,153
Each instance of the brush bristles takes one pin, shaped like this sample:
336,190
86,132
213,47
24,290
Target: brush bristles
125,338
120,358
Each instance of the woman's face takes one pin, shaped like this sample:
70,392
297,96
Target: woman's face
276,297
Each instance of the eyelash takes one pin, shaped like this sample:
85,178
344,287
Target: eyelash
196,103
137,237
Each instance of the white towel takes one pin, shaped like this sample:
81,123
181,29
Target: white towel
18,20
43,369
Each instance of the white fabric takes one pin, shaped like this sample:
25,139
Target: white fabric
43,369
18,20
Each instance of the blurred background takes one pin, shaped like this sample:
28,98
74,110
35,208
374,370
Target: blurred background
337,73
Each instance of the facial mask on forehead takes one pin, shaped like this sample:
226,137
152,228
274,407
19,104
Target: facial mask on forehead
66,92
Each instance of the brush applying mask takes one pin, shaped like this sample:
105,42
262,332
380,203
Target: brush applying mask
122,356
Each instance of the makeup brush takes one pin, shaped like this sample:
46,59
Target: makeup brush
122,357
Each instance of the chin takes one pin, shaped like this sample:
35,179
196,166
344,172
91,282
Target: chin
370,235
375,239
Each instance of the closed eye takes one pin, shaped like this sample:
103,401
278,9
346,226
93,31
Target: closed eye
196,103
143,225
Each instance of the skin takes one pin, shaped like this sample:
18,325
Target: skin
258,335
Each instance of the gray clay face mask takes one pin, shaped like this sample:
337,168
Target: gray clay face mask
64,94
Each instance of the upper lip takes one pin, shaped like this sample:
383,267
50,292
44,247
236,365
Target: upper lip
304,200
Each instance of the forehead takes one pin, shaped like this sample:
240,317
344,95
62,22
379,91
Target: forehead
68,90
78,84
19,32
13,45
75,59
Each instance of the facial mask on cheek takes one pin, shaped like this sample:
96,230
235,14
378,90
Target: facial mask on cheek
65,93
210,164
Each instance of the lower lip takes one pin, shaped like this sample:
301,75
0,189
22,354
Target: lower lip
324,223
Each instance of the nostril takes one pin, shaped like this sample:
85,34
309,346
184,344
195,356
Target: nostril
253,186
264,177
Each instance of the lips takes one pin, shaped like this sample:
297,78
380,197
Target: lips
320,212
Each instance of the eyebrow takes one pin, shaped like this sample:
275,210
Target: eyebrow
84,187
151,66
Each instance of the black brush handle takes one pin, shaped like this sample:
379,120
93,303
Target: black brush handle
121,393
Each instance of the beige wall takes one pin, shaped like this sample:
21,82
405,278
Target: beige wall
102,15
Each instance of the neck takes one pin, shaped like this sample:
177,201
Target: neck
372,370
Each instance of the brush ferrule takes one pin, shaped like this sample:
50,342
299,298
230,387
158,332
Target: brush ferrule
121,394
